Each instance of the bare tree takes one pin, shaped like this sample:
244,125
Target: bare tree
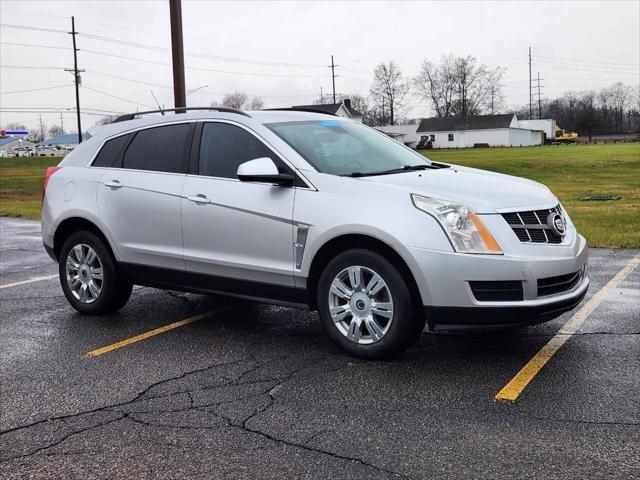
389,90
107,119
235,100
55,130
458,86
14,126
436,84
570,99
587,113
256,103
620,95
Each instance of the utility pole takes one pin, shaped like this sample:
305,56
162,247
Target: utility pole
539,97
321,95
177,54
61,123
530,93
41,128
76,75
333,78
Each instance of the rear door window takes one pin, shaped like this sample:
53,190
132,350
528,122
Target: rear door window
159,149
109,154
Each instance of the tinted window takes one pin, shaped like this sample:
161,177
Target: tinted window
160,149
224,147
110,151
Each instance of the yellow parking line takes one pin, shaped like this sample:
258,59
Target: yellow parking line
517,384
31,280
154,332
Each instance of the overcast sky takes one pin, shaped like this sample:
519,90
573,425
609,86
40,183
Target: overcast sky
280,50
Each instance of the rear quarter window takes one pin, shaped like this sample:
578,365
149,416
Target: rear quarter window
109,154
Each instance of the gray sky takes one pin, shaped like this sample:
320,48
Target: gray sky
279,50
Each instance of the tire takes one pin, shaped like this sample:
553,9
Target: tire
397,320
93,292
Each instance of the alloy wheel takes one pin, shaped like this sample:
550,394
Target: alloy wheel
84,273
360,305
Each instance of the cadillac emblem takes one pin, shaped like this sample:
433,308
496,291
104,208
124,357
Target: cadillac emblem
556,222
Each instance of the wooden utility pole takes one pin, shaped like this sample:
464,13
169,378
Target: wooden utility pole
76,75
177,54
530,93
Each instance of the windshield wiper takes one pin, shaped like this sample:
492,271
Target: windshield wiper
405,168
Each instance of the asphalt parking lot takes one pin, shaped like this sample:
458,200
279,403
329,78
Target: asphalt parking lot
241,390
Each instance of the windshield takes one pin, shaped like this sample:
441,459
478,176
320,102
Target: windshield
346,148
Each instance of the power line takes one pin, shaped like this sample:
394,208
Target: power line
35,89
33,67
117,97
33,45
38,29
197,54
166,64
592,62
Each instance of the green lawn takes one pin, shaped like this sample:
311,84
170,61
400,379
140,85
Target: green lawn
21,182
570,171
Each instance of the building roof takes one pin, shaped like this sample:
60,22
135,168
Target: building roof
7,140
333,108
325,107
478,122
65,139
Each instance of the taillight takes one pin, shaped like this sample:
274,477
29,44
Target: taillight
50,172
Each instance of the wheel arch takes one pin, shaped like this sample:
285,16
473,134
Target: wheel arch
345,242
74,224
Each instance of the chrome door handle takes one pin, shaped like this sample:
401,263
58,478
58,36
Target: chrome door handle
113,184
199,198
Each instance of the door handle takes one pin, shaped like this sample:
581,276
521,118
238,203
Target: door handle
199,198
113,184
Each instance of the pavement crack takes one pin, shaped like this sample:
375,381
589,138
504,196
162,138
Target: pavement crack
63,438
121,404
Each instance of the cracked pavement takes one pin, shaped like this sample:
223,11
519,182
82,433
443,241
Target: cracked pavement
260,392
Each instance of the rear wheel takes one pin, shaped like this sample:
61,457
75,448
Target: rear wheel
366,306
89,276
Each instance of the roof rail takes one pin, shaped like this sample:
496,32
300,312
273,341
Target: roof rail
300,109
131,116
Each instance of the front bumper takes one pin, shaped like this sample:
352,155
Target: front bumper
444,318
444,282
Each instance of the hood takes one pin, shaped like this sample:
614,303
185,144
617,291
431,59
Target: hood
483,191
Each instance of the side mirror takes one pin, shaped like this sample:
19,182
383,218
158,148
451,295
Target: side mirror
263,170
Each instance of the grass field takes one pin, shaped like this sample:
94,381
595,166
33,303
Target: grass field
570,171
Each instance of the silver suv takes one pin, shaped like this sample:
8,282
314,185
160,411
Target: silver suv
308,210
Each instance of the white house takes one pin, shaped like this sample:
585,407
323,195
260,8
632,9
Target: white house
478,131
342,109
402,133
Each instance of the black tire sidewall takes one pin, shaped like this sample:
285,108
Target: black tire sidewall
110,293
405,325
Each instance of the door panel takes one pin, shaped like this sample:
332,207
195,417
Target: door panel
242,230
142,213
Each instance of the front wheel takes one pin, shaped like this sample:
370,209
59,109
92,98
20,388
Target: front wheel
366,306
89,276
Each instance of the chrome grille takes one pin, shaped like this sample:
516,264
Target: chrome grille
531,226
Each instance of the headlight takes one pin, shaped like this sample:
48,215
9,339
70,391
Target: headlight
465,230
